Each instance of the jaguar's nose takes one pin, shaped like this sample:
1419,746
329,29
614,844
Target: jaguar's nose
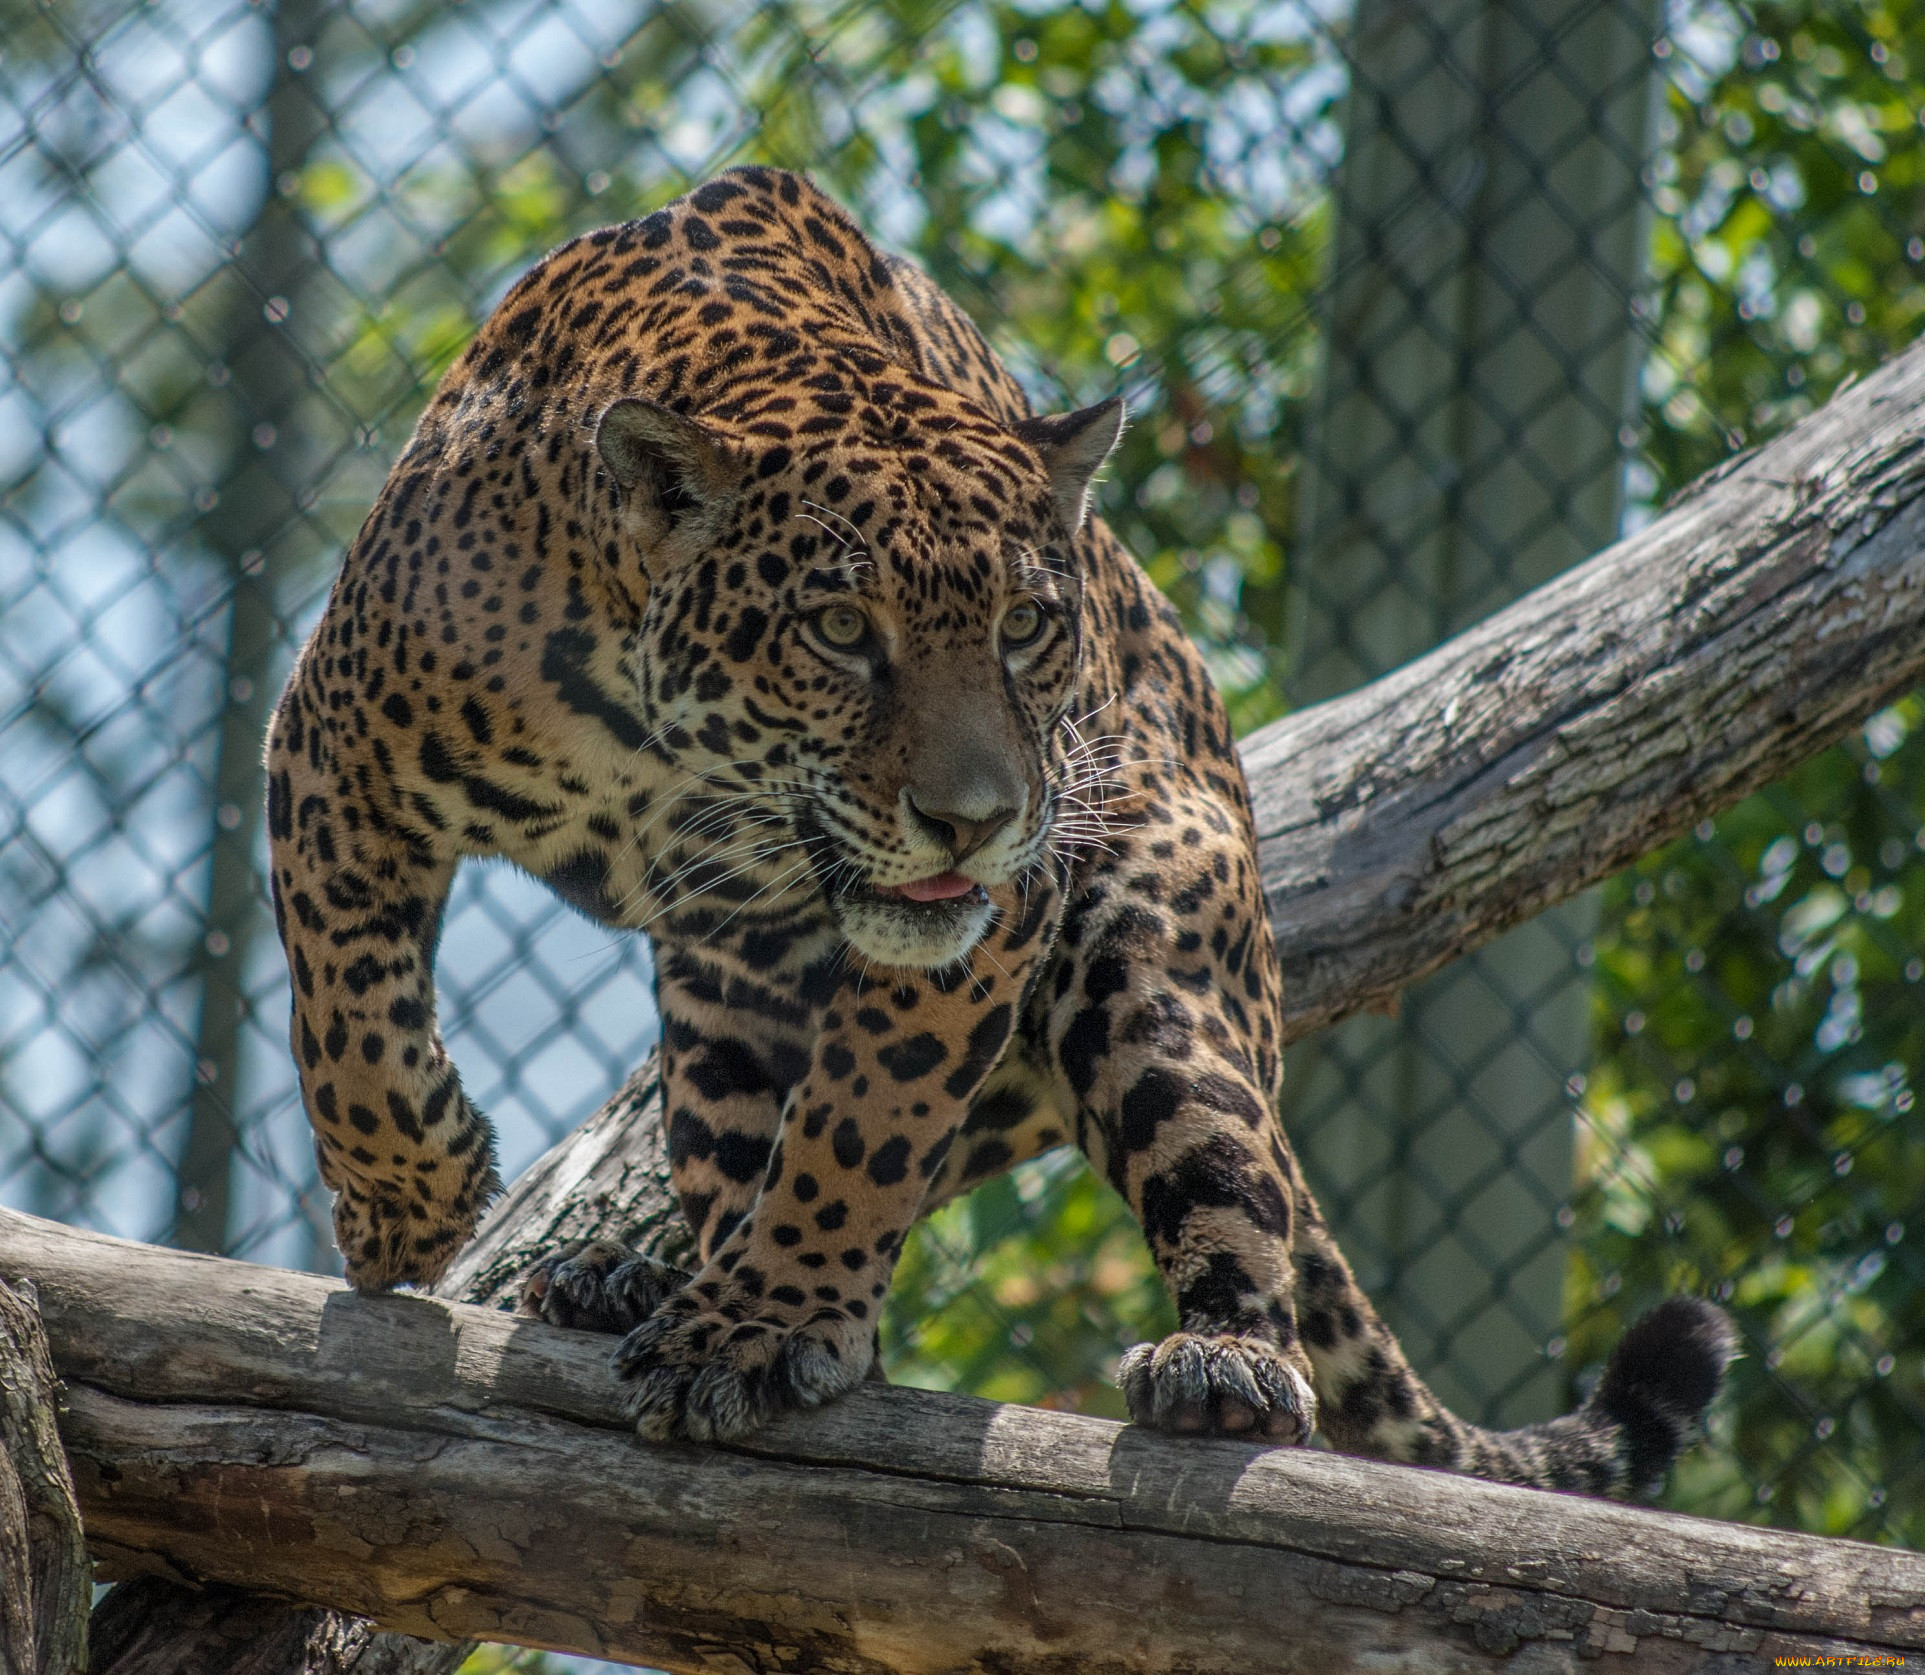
963,833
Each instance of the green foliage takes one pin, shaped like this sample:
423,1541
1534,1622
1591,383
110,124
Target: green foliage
519,1660
1750,1127
1791,198
1025,1291
508,1660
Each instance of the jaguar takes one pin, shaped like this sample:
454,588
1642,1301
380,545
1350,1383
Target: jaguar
730,585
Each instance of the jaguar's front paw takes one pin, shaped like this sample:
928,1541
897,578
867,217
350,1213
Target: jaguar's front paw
712,1370
1194,1384
386,1241
598,1286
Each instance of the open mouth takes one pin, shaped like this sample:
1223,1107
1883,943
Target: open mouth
924,924
943,887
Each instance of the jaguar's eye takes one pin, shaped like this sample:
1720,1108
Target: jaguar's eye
1022,623
842,626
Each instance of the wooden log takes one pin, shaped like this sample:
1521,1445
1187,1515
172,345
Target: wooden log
452,1471
1770,609
46,1581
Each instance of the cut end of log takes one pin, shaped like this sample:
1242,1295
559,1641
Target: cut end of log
46,1581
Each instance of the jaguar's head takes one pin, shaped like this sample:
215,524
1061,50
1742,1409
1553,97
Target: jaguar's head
867,625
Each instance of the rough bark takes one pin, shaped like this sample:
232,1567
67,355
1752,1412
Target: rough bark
46,1579
153,1626
1777,603
453,1471
609,1178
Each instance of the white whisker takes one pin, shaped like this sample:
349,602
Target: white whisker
855,553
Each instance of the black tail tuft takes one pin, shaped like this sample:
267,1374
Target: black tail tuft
1661,1378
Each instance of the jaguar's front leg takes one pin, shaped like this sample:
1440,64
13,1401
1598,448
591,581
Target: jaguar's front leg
358,894
783,1313
1163,1031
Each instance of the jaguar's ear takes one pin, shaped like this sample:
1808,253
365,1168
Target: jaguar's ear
676,475
1073,447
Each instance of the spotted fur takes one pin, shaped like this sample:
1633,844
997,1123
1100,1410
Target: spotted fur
729,585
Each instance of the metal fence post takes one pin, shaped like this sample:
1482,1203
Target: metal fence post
258,496
1481,364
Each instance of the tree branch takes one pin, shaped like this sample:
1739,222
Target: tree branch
453,1471
1777,603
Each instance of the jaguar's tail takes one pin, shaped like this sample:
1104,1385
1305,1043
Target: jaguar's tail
1645,1411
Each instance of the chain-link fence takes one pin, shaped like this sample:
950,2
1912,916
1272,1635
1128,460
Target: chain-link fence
1416,304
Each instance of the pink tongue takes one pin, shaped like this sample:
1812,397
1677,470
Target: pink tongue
945,886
